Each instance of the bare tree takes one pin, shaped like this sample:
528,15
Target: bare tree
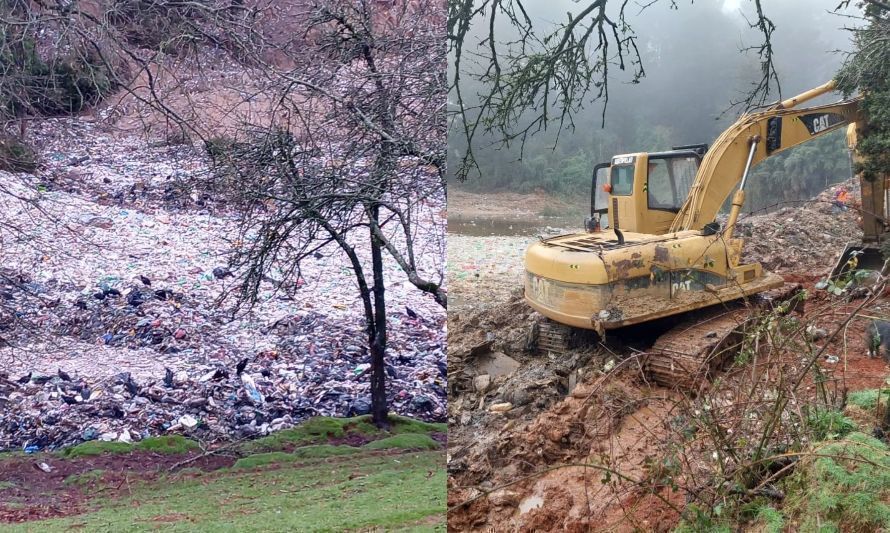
541,74
354,158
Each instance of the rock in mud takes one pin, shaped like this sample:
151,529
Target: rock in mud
482,383
503,498
816,333
518,397
497,364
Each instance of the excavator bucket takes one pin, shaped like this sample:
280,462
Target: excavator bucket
858,257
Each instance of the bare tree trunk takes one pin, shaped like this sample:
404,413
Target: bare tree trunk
378,339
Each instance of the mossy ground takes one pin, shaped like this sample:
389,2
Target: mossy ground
320,429
407,441
167,444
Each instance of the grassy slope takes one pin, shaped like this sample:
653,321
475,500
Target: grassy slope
389,491
316,487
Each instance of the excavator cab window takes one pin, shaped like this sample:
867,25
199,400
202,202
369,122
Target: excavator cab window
669,180
622,180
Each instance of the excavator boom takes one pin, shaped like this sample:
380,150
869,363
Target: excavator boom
780,128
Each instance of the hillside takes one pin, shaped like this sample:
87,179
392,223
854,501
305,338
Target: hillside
584,439
151,153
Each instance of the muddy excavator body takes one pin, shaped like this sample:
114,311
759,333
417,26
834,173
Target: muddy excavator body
598,281
652,246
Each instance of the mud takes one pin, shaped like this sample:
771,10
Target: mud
539,466
542,464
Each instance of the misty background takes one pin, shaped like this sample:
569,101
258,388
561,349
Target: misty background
695,69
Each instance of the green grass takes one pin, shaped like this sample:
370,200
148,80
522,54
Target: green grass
318,486
768,519
263,459
842,485
11,455
407,441
757,515
363,492
96,447
698,520
324,450
867,399
402,424
313,431
87,478
404,441
826,424
6,485
846,491
166,444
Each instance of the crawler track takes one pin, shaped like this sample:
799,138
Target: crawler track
553,338
688,355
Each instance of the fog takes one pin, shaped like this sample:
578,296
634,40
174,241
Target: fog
695,68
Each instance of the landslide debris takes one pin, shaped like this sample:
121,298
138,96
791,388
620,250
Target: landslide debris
520,463
804,239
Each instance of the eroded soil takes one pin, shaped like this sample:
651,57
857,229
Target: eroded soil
579,442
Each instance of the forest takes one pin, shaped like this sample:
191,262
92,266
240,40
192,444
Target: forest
685,97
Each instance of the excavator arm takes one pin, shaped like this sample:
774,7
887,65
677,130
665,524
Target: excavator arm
771,131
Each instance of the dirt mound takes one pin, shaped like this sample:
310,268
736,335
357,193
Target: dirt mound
804,239
582,441
553,468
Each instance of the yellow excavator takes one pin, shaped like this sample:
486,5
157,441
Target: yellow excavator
653,247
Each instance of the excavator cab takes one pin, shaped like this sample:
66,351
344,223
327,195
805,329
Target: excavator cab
643,192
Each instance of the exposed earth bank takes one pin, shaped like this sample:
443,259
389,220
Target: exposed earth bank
583,440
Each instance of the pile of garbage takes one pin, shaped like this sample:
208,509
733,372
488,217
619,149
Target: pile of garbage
255,396
113,272
216,388
796,239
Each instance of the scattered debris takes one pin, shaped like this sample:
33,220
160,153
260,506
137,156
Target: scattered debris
501,407
109,315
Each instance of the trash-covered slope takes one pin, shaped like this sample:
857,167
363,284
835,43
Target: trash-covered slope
112,266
